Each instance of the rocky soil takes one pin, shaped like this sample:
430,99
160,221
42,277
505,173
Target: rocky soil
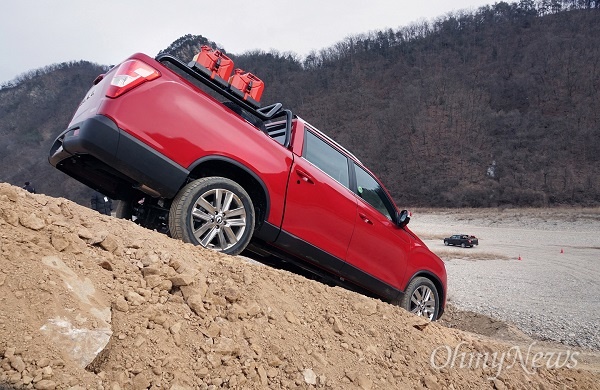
89,301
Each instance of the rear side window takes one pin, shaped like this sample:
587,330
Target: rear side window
326,158
370,190
277,132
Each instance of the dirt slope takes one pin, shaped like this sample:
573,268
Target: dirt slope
178,316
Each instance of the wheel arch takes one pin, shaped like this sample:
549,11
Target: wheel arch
436,282
231,169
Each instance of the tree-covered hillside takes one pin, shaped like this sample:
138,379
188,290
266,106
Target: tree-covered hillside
497,106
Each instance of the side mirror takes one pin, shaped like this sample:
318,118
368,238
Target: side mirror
403,218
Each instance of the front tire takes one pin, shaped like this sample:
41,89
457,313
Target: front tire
421,298
214,212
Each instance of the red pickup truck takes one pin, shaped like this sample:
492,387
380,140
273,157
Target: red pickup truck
188,155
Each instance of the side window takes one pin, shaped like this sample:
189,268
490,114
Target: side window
326,158
369,189
277,132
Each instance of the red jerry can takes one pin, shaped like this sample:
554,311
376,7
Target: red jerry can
213,63
247,86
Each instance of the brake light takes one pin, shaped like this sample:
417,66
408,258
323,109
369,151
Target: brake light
129,75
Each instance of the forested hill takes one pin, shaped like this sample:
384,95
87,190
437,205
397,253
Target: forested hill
497,106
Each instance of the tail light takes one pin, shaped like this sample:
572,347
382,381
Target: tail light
129,75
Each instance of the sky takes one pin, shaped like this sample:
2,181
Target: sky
36,33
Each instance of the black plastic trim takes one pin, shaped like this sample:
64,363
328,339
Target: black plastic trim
97,135
311,253
369,282
267,232
115,161
147,166
338,267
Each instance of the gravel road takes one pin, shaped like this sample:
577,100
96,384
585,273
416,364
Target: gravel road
551,293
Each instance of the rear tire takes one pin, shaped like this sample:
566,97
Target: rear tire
421,298
143,214
214,212
124,210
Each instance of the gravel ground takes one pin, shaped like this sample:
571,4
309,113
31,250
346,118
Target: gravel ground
551,293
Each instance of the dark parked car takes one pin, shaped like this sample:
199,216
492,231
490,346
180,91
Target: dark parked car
463,240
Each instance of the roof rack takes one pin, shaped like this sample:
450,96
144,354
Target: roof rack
264,113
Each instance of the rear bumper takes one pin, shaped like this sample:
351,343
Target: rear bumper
99,154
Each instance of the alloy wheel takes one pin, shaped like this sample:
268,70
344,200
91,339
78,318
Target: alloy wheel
422,302
218,219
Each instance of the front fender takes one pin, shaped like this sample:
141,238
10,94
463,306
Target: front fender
423,262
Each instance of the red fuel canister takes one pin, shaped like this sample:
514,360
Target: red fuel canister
214,63
247,86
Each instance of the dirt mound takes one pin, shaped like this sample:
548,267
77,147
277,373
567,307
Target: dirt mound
481,324
89,301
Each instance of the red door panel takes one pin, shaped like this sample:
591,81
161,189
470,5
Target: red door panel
378,246
319,210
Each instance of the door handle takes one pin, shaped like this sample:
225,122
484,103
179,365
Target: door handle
304,176
365,218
